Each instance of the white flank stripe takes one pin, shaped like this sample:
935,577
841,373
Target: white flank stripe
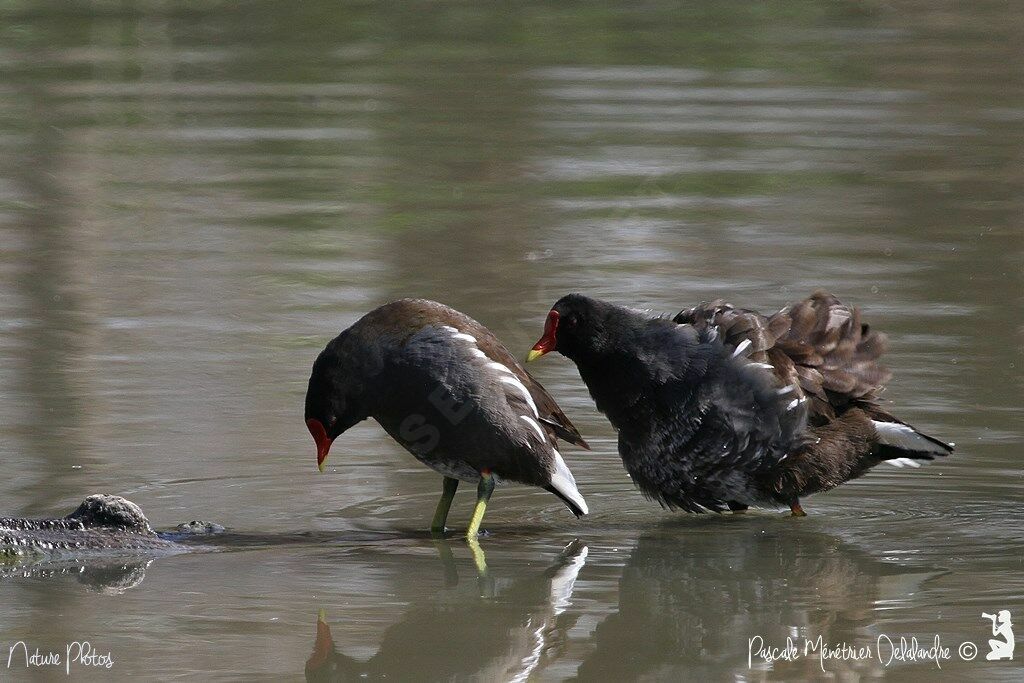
785,390
500,368
536,426
741,348
514,382
763,366
466,337
478,353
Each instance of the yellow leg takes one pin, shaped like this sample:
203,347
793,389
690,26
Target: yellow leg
444,505
483,494
478,556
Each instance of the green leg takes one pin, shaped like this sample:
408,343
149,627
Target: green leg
444,505
483,494
444,551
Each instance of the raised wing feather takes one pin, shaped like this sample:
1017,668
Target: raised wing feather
818,345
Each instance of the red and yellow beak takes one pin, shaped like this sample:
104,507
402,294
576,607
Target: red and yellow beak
323,443
549,341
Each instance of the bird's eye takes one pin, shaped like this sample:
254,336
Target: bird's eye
572,320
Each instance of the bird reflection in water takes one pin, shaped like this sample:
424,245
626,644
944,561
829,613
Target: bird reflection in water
510,633
688,605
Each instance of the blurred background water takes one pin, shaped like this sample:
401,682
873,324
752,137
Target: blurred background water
196,196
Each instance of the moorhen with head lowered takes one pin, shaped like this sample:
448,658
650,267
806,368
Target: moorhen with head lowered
444,387
723,407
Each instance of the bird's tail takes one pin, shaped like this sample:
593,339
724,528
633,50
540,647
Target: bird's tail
563,485
901,445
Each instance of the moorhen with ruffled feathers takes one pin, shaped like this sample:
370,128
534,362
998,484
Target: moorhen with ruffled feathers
724,407
444,387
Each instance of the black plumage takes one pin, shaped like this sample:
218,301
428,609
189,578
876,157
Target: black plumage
723,407
446,389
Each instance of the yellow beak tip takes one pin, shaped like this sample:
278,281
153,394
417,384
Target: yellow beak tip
533,355
322,466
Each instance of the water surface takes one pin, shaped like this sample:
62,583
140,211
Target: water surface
194,198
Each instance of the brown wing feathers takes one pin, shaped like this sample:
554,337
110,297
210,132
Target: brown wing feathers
834,354
736,325
818,345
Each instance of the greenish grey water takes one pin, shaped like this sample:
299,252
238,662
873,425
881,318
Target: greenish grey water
194,197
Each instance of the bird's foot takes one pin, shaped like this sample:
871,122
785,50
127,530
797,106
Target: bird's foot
796,510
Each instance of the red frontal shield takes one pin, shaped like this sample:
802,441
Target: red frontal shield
549,341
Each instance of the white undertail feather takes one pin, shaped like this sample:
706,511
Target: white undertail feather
906,438
563,482
903,462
